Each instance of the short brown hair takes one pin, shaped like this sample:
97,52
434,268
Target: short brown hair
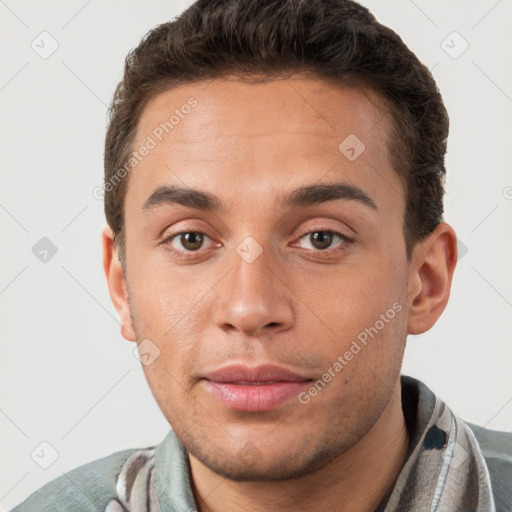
336,40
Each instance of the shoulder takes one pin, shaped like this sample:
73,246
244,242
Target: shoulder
496,448
87,488
495,444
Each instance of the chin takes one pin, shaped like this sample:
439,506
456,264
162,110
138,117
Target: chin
248,464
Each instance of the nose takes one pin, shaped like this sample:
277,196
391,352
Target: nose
253,299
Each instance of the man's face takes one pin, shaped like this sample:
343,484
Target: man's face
296,285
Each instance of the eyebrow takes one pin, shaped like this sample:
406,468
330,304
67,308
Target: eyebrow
303,196
172,194
316,194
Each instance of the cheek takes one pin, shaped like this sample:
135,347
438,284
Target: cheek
352,298
169,390
362,313
168,303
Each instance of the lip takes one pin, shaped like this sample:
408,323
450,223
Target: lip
261,388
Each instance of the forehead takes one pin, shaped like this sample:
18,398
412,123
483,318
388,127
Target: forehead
295,105
236,138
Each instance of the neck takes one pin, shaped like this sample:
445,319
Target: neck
354,482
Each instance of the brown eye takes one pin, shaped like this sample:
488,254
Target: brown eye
190,244
192,241
324,240
321,239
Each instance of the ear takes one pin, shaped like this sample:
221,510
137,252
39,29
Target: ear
117,283
430,278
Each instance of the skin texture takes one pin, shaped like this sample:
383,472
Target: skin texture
295,305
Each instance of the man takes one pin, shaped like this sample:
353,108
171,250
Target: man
274,197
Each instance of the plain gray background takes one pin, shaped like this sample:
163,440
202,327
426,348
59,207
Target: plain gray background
68,378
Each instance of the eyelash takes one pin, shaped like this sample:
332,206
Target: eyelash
182,254
346,241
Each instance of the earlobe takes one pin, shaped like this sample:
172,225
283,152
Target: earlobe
430,276
117,284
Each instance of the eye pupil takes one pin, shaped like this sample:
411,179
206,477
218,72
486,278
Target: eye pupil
321,239
191,241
